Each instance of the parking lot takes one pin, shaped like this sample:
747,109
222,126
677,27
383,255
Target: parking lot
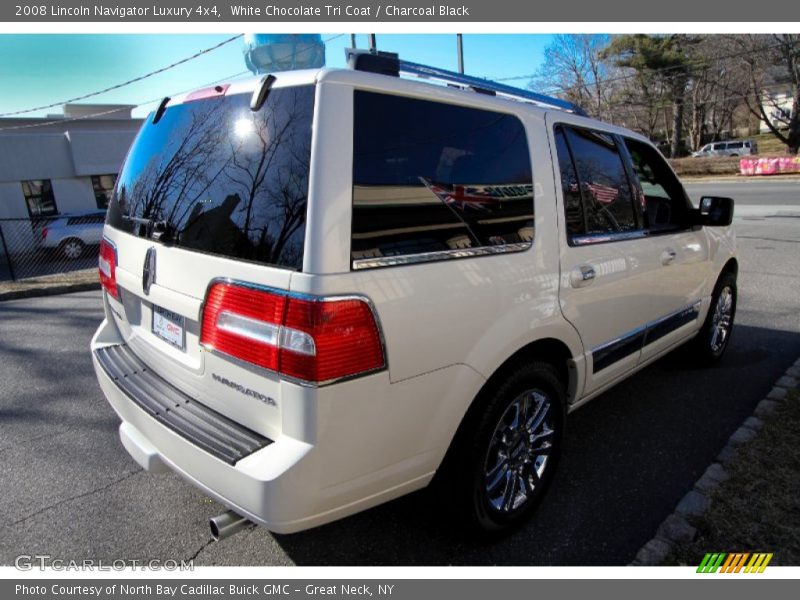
70,490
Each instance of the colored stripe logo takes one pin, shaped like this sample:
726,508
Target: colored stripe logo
734,562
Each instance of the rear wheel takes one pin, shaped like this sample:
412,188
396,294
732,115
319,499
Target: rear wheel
713,338
72,248
504,457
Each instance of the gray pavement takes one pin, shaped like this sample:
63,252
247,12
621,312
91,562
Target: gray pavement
69,490
764,193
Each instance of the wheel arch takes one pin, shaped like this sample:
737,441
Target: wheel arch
731,266
551,350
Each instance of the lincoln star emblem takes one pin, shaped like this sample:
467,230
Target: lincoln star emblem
149,271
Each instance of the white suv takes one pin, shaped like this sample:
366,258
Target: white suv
324,288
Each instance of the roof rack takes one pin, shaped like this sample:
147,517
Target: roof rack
387,63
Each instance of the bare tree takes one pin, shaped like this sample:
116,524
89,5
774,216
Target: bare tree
574,70
769,63
715,90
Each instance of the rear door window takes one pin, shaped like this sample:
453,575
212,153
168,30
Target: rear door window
598,199
433,180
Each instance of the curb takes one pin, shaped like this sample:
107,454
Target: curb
53,290
677,528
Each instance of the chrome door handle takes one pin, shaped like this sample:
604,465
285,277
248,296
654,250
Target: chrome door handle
668,257
581,276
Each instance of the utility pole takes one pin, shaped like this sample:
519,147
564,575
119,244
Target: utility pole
372,44
460,49
353,40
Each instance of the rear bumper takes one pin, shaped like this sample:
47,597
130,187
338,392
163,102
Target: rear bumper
242,486
216,434
367,441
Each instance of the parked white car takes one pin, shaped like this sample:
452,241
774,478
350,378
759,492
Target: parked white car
325,289
72,233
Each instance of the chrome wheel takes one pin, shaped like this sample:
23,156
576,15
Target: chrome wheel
72,249
722,319
519,451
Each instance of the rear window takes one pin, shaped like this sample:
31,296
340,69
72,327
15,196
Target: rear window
215,177
434,180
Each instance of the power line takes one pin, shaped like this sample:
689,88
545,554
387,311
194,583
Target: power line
145,102
123,84
114,110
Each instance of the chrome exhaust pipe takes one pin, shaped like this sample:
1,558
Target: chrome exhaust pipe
226,524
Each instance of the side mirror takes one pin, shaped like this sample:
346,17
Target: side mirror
714,212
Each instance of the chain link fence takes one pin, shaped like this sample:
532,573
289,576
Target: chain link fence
45,246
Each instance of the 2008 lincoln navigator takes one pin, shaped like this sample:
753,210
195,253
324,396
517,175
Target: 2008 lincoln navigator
325,288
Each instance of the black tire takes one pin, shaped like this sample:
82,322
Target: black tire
72,248
479,492
715,334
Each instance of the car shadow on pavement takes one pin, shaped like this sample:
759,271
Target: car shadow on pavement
631,454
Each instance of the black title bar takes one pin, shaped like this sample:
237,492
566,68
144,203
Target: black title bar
399,11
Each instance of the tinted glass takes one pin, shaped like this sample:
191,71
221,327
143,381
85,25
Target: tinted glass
665,202
432,177
605,189
573,205
215,177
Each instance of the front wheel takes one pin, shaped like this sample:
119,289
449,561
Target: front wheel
715,335
505,456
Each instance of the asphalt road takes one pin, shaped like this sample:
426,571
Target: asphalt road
755,192
69,490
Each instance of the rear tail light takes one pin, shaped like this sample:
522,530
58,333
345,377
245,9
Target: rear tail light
45,231
315,340
107,265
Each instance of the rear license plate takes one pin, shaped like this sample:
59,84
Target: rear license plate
169,326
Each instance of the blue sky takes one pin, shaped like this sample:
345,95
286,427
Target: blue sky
47,68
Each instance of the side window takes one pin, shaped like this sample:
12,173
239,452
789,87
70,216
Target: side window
434,180
602,184
103,186
39,198
665,202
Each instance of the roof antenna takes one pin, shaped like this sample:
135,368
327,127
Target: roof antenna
261,93
160,110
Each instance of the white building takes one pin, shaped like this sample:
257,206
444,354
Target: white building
62,163
778,104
